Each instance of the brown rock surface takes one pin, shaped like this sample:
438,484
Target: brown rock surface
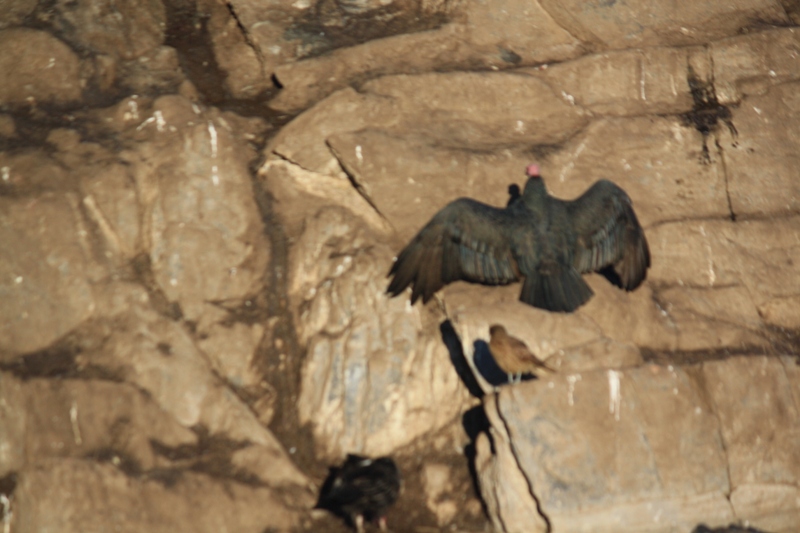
186,342
24,56
376,375
629,24
43,272
102,496
126,31
616,462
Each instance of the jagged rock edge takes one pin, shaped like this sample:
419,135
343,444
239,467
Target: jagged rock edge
513,451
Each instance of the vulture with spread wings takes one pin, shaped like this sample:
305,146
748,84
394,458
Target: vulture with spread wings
544,241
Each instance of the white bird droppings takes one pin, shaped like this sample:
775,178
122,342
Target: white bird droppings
614,393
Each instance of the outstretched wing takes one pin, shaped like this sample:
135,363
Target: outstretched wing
609,234
467,240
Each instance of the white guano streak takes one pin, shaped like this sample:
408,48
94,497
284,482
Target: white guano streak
614,393
212,132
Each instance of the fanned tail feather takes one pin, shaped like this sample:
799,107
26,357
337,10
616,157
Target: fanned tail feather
561,289
633,267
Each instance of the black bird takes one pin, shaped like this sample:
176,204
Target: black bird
545,241
361,488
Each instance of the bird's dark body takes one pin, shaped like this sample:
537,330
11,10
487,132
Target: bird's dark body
361,488
545,241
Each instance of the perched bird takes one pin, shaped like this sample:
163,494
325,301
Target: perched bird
545,241
362,488
513,356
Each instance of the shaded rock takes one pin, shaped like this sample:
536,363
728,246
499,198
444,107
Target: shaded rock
437,484
13,12
7,126
76,495
77,418
35,65
308,81
12,424
265,28
160,357
512,33
43,272
125,31
490,35
158,70
233,52
28,173
231,347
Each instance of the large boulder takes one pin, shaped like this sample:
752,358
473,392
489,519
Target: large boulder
652,448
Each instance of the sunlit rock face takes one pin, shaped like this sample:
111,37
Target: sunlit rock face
200,201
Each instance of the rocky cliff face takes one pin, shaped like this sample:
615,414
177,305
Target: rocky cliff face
200,200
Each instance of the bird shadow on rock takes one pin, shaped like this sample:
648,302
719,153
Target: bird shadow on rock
453,343
488,367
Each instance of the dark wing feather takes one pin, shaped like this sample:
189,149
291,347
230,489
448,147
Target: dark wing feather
609,234
363,486
466,240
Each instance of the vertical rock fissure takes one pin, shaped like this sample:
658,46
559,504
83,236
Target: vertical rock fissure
724,167
246,35
354,181
279,357
519,466
703,386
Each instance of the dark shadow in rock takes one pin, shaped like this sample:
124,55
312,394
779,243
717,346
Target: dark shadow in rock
8,485
702,528
475,422
211,455
486,365
488,368
58,360
121,460
453,344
